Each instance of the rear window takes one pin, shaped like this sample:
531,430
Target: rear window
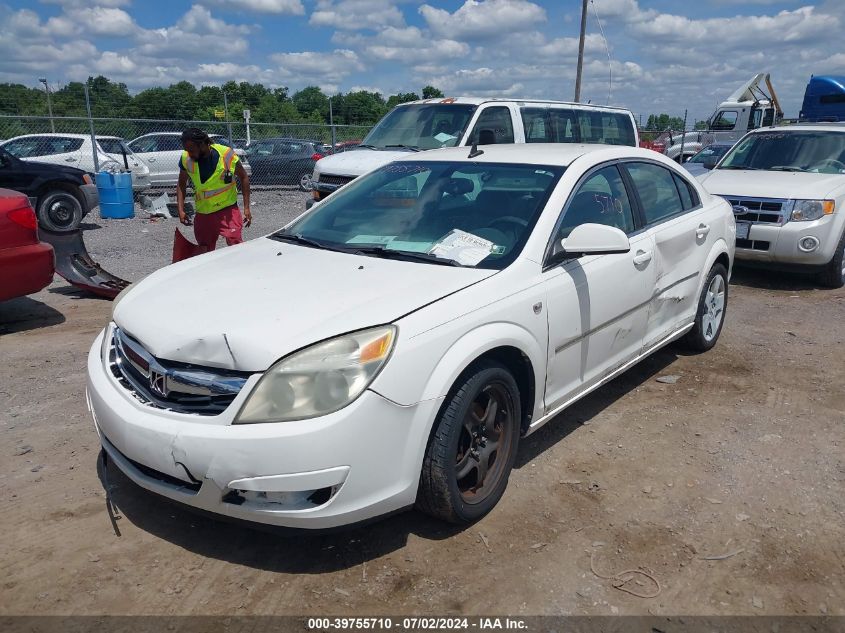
568,125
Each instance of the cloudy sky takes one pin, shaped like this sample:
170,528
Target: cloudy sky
666,55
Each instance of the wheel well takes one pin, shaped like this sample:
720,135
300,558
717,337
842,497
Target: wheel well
65,186
523,372
724,260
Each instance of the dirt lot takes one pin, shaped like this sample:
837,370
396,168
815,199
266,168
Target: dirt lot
743,455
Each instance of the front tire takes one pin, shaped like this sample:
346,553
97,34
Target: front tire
710,315
305,183
473,448
833,275
60,211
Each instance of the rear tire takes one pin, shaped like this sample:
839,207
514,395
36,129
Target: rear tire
833,275
473,448
710,315
59,210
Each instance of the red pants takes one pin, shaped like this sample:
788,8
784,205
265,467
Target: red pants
226,223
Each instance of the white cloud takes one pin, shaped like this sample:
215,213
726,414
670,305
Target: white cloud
356,14
88,3
105,21
329,67
278,7
199,20
479,20
407,44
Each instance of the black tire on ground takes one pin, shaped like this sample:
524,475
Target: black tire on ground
833,275
305,182
59,209
710,315
477,429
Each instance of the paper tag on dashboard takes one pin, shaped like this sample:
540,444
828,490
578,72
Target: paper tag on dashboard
462,247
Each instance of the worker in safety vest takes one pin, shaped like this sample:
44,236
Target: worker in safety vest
212,169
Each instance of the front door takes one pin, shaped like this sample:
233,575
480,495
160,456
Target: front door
597,304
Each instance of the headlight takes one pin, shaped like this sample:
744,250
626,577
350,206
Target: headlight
806,210
320,379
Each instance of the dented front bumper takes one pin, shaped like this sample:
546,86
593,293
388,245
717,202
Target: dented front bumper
352,465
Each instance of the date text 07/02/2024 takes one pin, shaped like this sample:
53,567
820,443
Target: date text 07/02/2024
415,623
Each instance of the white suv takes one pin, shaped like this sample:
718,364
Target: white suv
787,188
75,150
456,121
392,345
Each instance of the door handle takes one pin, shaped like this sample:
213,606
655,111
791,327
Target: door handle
702,231
151,160
70,160
642,257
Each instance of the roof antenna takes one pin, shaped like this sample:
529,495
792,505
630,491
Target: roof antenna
474,151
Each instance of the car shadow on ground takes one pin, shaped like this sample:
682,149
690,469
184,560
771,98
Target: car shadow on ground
767,279
583,411
25,313
287,551
68,290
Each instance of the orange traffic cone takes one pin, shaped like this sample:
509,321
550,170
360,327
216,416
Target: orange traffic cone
183,248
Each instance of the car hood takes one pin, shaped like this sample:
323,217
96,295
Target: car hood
35,166
357,162
244,307
770,184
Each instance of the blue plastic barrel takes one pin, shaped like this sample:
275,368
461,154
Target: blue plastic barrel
115,195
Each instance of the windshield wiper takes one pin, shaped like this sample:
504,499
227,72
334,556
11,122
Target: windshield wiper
740,167
785,168
368,146
413,148
307,241
389,253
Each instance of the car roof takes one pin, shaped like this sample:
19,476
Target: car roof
559,154
521,102
61,135
831,126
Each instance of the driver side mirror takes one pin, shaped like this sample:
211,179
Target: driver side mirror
709,164
595,239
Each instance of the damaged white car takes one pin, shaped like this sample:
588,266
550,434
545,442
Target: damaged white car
392,345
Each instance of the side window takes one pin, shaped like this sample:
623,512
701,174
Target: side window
536,125
689,196
725,120
144,145
656,187
565,125
169,144
22,148
494,125
601,199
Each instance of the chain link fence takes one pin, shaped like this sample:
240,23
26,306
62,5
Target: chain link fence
276,154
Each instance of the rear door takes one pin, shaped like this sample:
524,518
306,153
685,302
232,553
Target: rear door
161,153
673,215
60,150
494,124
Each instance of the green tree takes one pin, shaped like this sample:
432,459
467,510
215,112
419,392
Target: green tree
664,122
310,100
363,108
430,92
402,97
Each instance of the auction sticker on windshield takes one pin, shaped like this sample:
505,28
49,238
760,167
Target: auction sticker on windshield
462,247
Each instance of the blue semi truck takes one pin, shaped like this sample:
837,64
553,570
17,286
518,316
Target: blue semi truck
824,99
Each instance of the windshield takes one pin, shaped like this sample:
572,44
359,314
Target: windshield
805,150
423,126
474,214
710,154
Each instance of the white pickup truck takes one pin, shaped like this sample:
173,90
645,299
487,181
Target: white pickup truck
457,121
787,188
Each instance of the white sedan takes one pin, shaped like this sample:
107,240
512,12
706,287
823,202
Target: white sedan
392,345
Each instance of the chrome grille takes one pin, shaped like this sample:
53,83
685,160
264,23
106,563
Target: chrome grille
760,210
169,385
328,179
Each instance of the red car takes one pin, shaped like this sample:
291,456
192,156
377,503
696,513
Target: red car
26,264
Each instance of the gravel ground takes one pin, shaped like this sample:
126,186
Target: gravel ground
134,248
727,482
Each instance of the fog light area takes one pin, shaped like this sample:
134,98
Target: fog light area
283,500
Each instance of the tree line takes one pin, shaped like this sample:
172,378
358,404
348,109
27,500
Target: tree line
185,102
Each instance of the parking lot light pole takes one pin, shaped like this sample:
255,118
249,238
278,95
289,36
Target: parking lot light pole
43,80
581,51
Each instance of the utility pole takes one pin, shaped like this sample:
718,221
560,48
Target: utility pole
581,51
91,125
43,80
226,116
331,124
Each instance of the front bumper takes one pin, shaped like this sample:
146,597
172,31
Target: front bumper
90,198
342,468
780,244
